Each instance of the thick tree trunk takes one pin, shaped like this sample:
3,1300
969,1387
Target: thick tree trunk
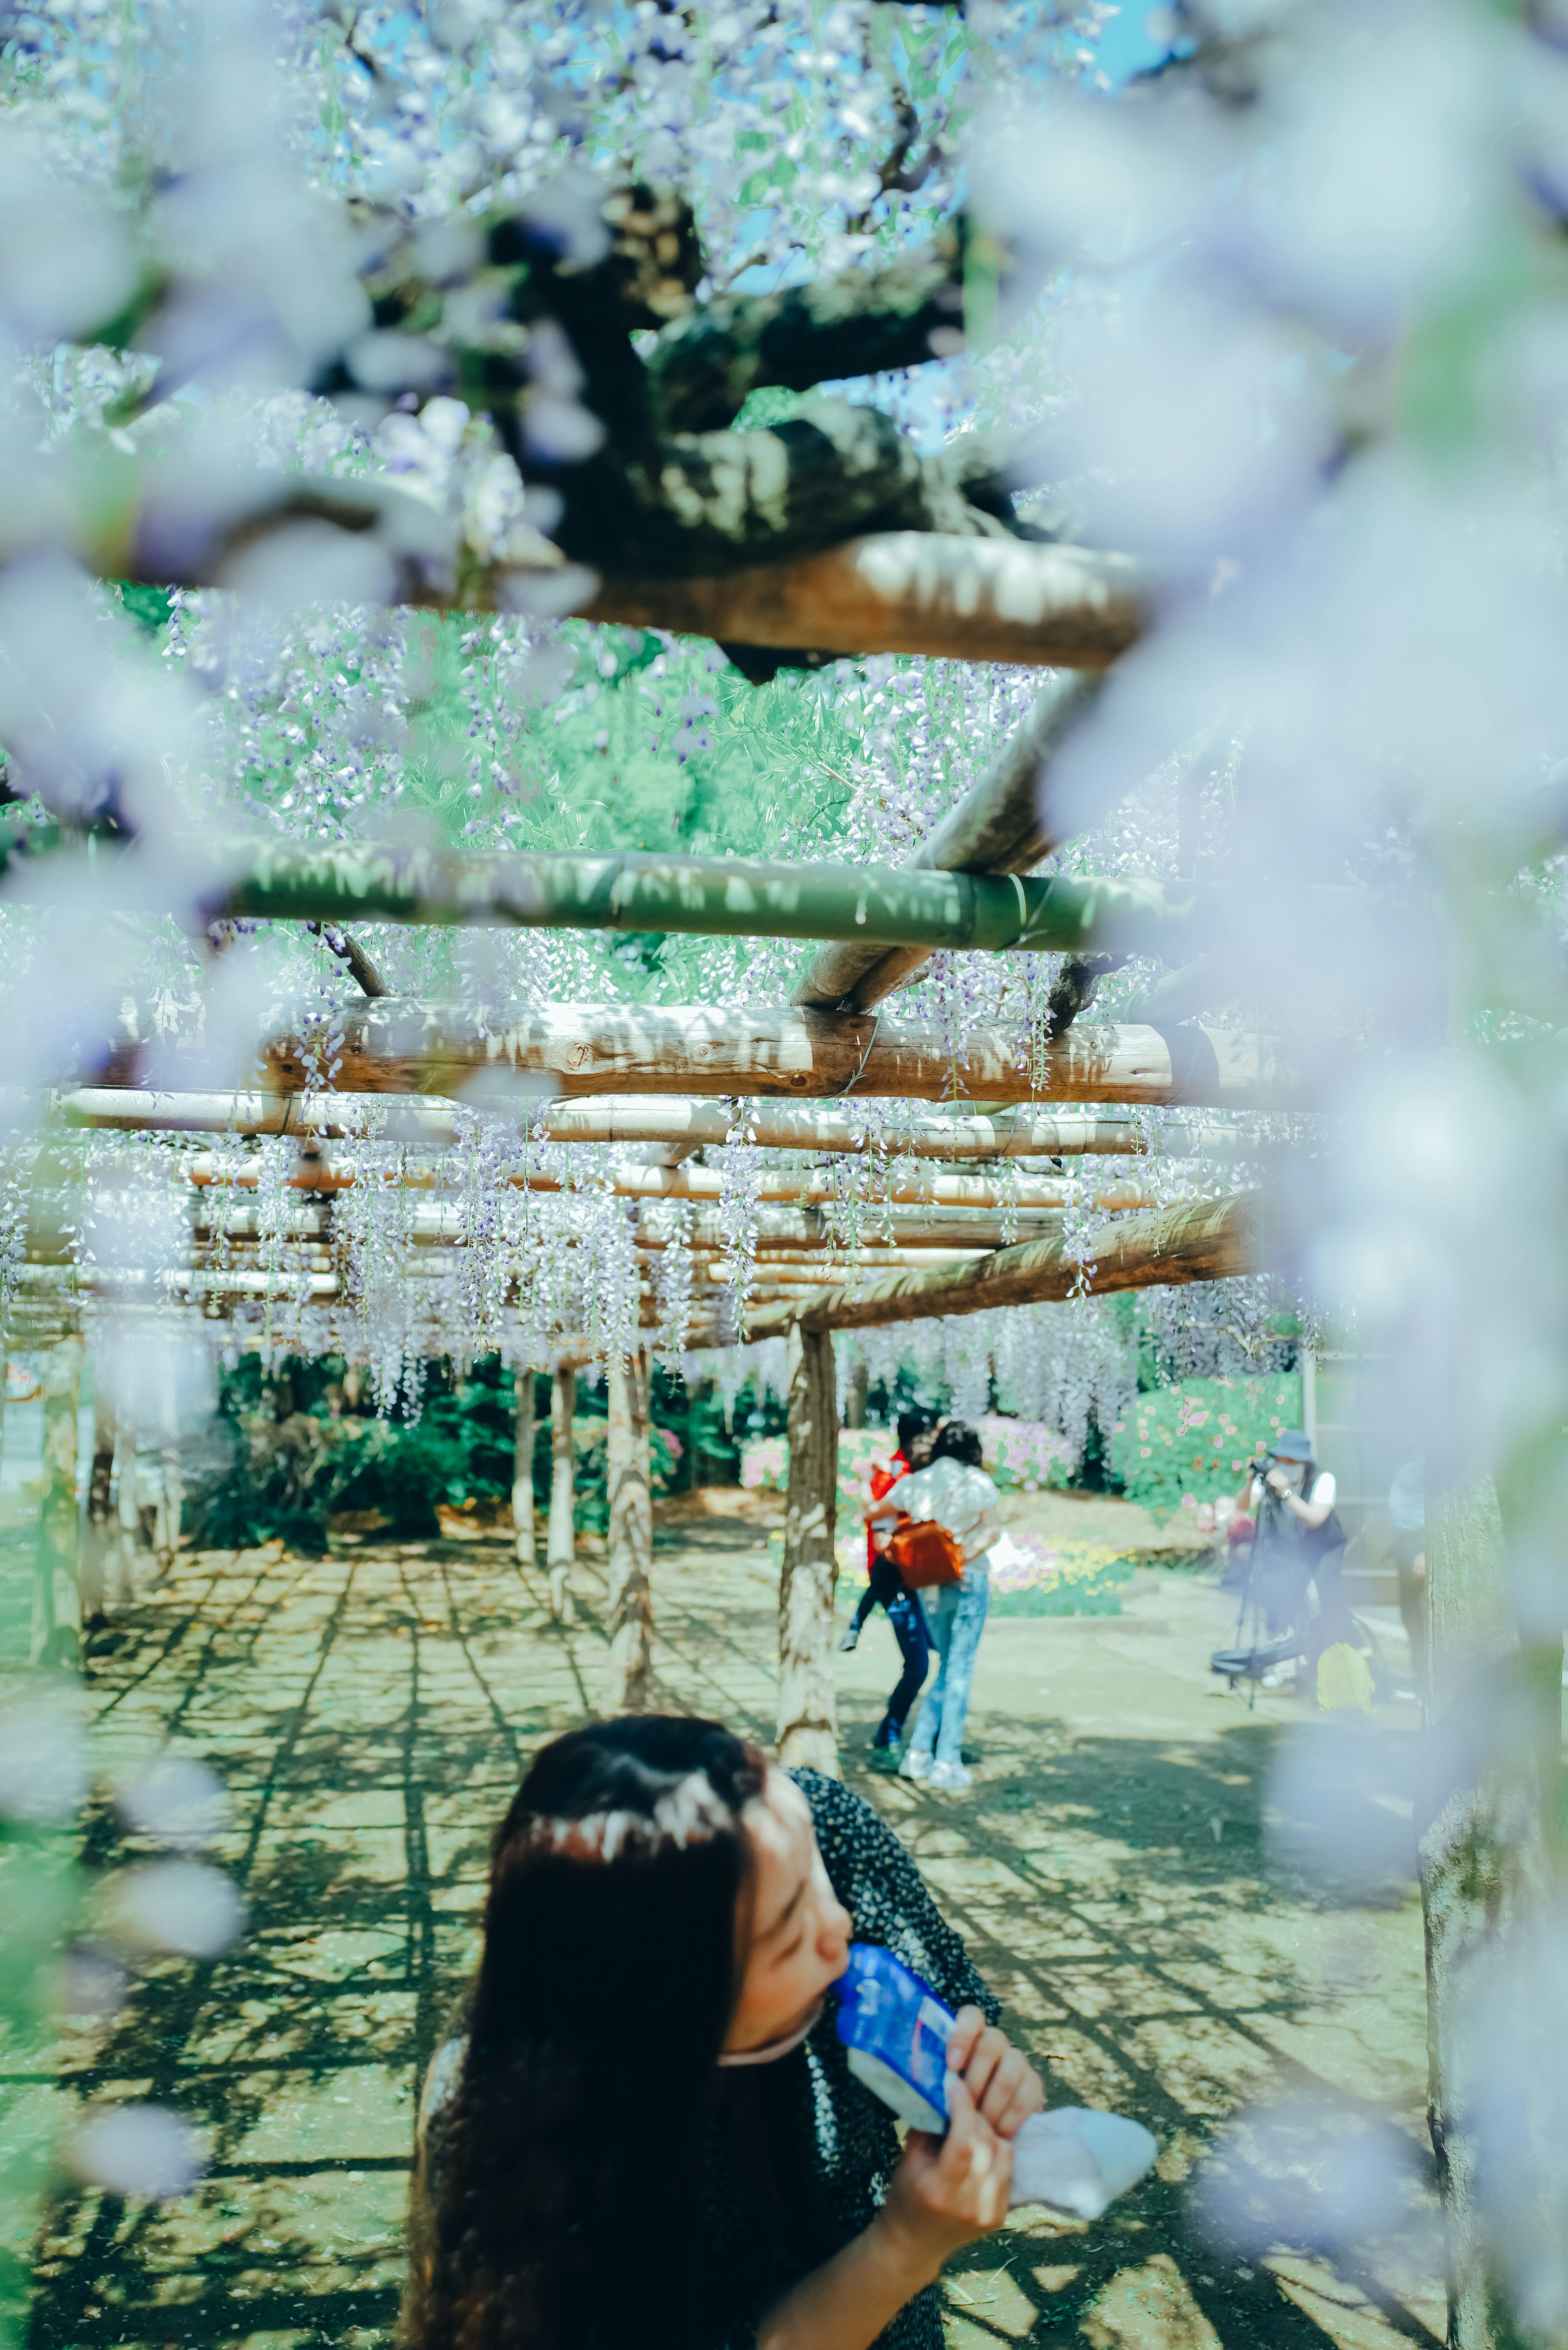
523,1466
1493,1759
560,1541
57,1591
628,1677
808,1704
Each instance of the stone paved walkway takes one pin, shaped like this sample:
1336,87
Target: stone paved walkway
369,1714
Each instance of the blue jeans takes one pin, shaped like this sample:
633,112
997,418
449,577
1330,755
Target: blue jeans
956,1616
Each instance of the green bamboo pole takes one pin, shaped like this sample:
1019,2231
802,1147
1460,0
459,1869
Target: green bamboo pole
882,906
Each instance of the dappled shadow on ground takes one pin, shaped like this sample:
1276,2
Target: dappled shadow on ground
370,1715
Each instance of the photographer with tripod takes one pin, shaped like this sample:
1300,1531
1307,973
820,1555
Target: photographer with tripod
1298,1544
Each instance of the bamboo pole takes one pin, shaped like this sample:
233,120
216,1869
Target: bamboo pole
424,1123
439,1224
630,1667
1210,1241
916,906
560,1541
401,1045
807,1731
996,827
1026,1194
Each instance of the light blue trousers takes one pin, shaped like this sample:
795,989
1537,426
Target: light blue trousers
955,1613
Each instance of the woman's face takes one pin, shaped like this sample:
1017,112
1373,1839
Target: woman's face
799,1929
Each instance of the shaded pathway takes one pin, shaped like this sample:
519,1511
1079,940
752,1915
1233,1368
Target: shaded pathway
369,1713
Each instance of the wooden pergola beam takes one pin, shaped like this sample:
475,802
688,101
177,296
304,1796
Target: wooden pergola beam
1213,1240
987,600
420,1046
689,1125
704,1186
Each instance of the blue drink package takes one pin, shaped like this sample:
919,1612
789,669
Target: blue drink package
896,2032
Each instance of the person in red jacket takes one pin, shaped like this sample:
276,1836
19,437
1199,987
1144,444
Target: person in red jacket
886,1587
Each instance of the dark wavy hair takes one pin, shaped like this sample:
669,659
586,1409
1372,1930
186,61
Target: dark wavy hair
562,2181
957,1441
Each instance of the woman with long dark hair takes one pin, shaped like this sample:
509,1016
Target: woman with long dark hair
640,2128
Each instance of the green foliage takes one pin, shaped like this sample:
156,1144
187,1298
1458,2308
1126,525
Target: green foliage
302,1442
1198,1438
295,1446
148,607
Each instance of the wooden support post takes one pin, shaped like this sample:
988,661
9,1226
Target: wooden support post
522,1465
100,1535
129,1506
57,1591
173,1471
855,1400
560,1543
808,1708
1486,1826
628,1680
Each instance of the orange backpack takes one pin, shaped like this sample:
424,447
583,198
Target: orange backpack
925,1553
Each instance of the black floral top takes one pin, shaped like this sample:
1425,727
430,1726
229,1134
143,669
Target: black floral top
848,2135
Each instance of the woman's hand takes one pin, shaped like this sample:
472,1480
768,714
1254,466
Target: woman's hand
945,2192
948,2190
1003,2083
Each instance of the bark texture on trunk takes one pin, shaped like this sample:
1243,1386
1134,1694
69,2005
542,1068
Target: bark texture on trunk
523,1467
809,1703
560,1541
629,1675
1491,1788
57,1591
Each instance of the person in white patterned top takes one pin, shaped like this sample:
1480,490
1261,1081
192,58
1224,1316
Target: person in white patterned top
956,1494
